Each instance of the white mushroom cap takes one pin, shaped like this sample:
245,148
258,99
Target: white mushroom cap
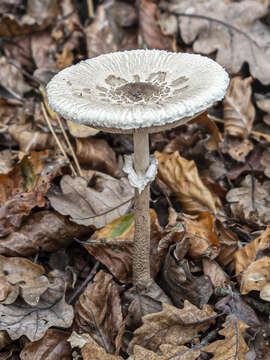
128,90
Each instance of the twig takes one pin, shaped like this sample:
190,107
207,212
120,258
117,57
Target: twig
56,138
84,283
69,145
90,8
252,187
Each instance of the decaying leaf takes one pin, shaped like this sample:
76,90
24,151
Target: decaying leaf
265,161
263,102
79,340
237,148
233,346
53,346
242,39
168,352
94,352
183,179
20,318
150,29
254,271
112,246
81,131
215,272
172,326
96,202
239,112
250,202
21,276
43,231
24,187
99,311
96,154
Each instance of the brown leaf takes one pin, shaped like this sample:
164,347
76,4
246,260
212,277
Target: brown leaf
98,205
24,187
228,243
150,29
80,131
250,201
53,346
215,272
233,346
200,230
43,231
180,284
263,103
21,319
239,112
237,148
183,179
94,352
6,161
109,247
254,272
265,161
99,311
249,43
24,278
172,326
168,352
96,154
30,138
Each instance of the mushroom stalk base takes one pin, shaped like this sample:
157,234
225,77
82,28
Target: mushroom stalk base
141,246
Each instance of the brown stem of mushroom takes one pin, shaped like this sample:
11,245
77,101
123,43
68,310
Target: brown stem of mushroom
141,247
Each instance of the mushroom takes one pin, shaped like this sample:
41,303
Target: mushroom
138,92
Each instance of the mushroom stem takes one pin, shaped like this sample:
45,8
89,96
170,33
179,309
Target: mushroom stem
141,247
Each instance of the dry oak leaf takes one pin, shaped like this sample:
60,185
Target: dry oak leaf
53,346
112,246
80,131
96,154
172,326
24,187
183,179
150,29
33,321
239,112
250,202
43,231
168,352
242,39
256,276
97,205
99,311
233,347
95,352
21,277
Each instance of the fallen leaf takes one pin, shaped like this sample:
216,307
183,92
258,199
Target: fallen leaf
112,246
172,326
96,154
209,36
24,278
237,148
215,272
150,29
239,112
79,340
30,138
233,346
6,161
183,179
256,275
250,201
265,161
80,131
265,292
168,352
180,284
24,187
43,231
263,103
94,352
53,346
106,200
21,319
228,243
99,311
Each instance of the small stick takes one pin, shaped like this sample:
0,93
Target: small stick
84,283
69,145
90,8
56,138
